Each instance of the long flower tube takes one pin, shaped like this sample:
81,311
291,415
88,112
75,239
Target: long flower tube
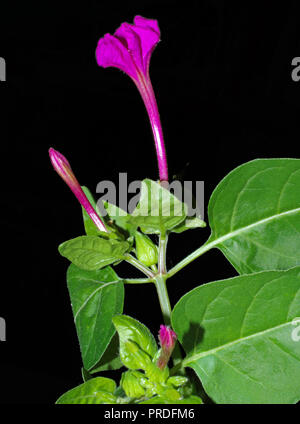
130,49
63,168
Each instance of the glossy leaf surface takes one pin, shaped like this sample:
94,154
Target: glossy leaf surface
98,390
239,337
96,296
254,214
91,252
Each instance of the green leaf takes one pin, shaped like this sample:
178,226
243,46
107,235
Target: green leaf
238,336
131,330
189,224
254,214
158,210
96,296
98,390
161,400
91,252
130,383
120,218
110,359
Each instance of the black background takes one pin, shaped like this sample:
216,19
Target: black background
222,77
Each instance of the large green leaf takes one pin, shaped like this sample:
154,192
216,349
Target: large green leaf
110,359
91,252
254,214
98,390
158,209
96,296
238,336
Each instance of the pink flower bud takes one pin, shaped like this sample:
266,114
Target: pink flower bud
130,49
167,338
63,168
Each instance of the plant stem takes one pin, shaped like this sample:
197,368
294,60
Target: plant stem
160,284
138,280
162,292
136,263
162,253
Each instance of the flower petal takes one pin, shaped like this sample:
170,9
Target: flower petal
149,34
112,52
126,34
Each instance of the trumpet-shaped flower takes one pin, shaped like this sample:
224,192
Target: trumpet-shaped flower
167,338
63,168
130,49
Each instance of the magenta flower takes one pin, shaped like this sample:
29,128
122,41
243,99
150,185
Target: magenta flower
167,338
63,168
130,49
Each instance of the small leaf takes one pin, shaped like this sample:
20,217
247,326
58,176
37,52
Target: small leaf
189,224
91,252
238,336
132,332
96,296
158,210
98,390
120,218
131,384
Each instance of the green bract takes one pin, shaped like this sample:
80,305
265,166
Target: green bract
189,224
158,210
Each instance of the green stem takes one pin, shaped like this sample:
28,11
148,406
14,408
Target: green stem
162,253
137,264
161,288
138,280
160,284
190,258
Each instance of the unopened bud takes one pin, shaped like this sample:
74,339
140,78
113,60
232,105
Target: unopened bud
167,338
146,250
